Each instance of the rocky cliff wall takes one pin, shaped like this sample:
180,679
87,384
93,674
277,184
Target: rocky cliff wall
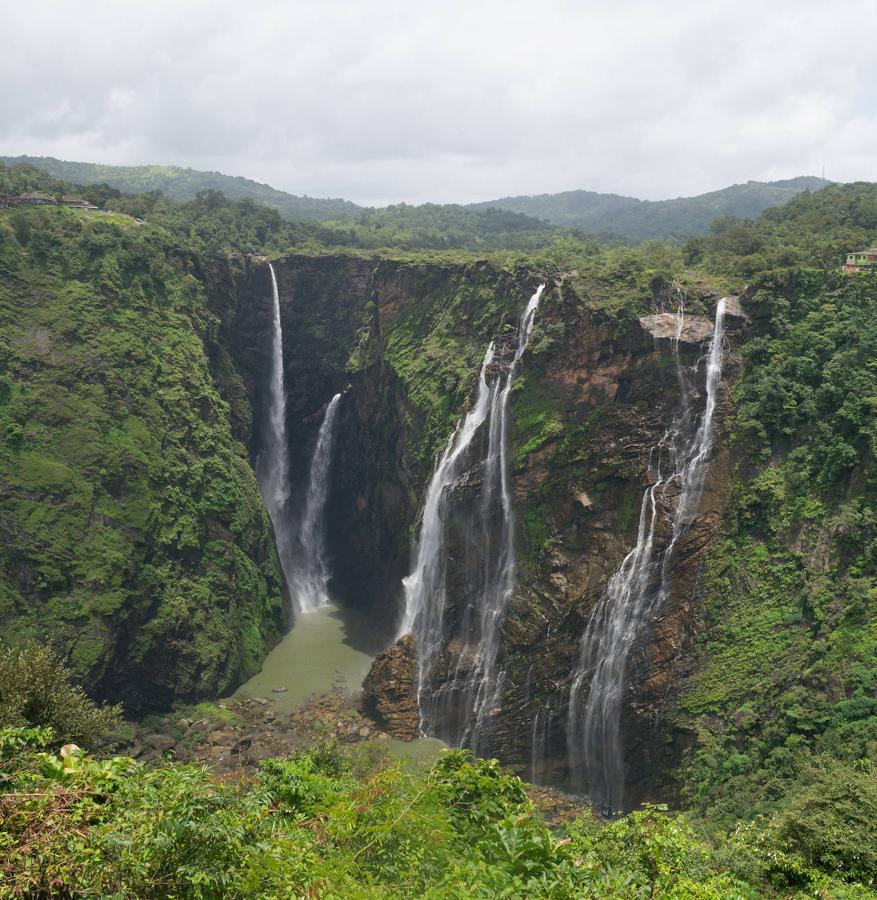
579,494
593,399
596,391
402,343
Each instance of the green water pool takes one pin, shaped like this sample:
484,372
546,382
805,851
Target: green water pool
322,652
316,656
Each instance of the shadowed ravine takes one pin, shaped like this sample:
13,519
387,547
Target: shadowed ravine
470,672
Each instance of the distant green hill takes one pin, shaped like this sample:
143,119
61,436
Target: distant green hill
183,184
445,226
604,215
629,218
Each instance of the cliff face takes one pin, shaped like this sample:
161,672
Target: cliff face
579,494
402,343
132,534
179,354
594,394
593,399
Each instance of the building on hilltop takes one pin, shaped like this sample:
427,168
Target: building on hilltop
35,198
9,200
77,203
861,261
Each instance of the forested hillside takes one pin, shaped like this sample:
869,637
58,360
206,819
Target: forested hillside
784,641
526,222
133,534
182,184
626,218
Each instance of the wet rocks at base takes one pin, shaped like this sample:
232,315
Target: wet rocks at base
235,734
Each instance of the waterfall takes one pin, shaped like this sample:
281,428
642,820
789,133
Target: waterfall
272,465
677,467
483,684
492,582
311,579
301,551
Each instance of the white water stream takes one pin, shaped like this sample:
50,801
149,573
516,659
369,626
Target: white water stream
300,541
325,650
310,582
272,466
677,468
492,579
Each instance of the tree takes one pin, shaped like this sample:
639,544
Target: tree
35,690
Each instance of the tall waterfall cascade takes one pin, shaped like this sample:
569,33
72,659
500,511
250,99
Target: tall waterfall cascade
272,466
460,712
300,540
310,582
677,468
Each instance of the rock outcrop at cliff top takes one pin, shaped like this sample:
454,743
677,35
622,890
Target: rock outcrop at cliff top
695,329
389,692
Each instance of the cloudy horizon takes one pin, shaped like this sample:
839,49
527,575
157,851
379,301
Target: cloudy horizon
450,102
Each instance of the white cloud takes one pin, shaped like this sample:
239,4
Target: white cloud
451,100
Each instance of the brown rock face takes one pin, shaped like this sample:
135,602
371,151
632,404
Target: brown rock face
695,329
618,394
734,307
594,395
389,692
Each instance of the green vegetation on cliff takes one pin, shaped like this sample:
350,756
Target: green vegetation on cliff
323,824
133,538
809,237
436,346
785,643
132,533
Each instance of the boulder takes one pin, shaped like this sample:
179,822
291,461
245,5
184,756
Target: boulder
734,307
389,692
695,329
159,742
242,745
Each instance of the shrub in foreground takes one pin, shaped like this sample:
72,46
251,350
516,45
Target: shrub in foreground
35,690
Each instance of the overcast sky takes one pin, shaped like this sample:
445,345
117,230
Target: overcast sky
415,100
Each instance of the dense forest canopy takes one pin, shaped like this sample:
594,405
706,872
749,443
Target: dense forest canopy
513,222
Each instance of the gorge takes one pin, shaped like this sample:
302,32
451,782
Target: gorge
438,451
519,524
487,668
604,514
